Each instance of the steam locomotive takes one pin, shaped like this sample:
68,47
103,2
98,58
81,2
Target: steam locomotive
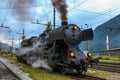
60,48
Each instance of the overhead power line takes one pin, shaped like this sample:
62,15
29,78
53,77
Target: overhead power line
99,14
88,19
7,11
77,5
93,12
23,7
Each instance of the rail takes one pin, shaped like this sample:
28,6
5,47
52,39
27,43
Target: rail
108,66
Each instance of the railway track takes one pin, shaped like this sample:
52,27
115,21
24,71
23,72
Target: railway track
6,74
84,77
108,66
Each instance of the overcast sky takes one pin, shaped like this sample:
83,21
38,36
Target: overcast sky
18,15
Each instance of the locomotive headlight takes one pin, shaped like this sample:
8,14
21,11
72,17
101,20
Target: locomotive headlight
72,54
74,28
89,54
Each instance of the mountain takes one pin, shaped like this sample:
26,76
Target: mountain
110,28
6,46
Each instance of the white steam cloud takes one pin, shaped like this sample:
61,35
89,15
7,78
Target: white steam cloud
34,56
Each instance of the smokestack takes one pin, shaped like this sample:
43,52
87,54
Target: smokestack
61,7
64,23
107,43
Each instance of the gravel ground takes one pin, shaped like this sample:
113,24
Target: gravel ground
5,74
16,70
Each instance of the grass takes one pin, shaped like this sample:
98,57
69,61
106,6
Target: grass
107,58
36,74
42,74
119,56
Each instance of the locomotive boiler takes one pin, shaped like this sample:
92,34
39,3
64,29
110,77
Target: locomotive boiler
61,48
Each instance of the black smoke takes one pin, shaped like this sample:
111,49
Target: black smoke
61,6
21,9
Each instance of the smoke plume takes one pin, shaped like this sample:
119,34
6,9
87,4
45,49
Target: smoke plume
61,6
21,9
34,56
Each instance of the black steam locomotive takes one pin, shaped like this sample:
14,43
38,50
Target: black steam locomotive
61,49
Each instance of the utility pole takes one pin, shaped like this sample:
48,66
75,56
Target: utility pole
19,38
23,34
54,17
87,44
2,26
107,37
107,43
12,43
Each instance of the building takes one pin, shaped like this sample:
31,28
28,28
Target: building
114,53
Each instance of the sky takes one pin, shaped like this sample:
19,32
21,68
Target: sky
18,15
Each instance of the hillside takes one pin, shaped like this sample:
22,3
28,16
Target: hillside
100,33
6,46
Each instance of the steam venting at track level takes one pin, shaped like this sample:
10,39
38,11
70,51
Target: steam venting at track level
33,56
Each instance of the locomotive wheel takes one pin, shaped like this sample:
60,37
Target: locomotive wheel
85,66
63,71
56,69
60,69
79,70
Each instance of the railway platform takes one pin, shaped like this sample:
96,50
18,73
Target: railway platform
13,69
